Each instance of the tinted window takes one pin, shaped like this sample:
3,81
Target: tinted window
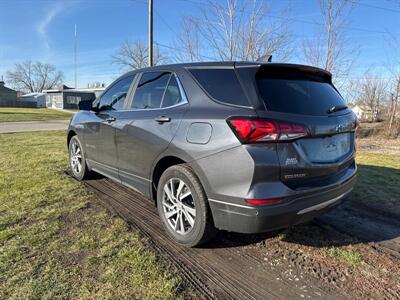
150,90
298,96
221,84
114,97
172,94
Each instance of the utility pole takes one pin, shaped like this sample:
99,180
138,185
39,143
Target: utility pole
75,60
150,33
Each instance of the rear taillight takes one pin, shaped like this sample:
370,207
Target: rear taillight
259,202
259,130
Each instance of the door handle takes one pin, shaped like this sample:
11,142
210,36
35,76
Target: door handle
110,119
162,119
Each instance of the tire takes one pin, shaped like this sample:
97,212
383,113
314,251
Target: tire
199,229
75,156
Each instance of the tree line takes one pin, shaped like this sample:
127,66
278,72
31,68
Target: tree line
242,31
248,30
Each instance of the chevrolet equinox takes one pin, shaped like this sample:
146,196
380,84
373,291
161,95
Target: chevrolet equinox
239,146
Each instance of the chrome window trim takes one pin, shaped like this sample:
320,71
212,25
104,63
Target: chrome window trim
160,108
163,95
250,106
181,90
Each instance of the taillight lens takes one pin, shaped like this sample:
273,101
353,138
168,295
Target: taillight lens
255,130
258,130
259,202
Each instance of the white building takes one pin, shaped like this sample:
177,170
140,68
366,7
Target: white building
38,98
64,97
362,112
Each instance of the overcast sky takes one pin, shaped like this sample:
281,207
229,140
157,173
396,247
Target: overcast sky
44,30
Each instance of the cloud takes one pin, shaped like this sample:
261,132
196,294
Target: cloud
43,25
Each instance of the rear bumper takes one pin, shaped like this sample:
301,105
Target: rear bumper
299,209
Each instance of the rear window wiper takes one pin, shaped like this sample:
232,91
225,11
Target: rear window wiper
336,108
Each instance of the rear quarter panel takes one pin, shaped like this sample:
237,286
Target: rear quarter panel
221,162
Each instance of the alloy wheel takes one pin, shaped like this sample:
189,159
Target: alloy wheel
76,157
178,206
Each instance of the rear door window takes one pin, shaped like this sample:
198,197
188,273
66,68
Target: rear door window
172,94
221,84
150,90
298,96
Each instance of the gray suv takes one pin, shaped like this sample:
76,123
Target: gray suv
239,146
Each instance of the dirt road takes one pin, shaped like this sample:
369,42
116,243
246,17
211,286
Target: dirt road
228,268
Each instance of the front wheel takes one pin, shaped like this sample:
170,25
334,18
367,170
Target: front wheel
183,207
77,159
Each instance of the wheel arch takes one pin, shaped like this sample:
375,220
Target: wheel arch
71,133
162,164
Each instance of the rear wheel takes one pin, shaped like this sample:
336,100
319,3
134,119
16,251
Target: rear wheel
183,207
77,159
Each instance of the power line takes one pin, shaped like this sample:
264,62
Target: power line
165,22
374,6
180,50
197,3
297,20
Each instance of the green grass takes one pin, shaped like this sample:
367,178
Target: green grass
14,114
378,182
347,256
57,243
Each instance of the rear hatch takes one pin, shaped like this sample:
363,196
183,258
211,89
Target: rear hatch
304,97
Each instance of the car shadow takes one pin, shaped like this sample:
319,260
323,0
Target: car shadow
312,234
360,219
225,239
353,222
319,233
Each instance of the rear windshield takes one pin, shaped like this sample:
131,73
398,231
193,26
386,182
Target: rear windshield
298,96
221,84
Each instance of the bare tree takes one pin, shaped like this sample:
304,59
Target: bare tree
234,30
372,94
393,66
189,40
33,77
134,55
395,96
329,49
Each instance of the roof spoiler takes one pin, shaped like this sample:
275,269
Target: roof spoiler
265,58
292,71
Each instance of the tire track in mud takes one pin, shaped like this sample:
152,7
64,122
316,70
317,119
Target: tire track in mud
365,225
219,270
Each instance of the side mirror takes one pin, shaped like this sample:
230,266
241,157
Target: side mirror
85,105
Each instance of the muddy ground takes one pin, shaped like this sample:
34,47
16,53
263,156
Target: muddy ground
330,258
379,145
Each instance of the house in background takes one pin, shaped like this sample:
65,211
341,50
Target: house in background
65,97
7,94
363,112
38,98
